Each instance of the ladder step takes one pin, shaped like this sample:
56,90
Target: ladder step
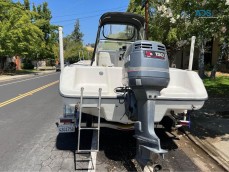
84,128
87,151
93,105
84,153
89,106
83,160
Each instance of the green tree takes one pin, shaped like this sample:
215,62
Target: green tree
43,21
135,7
34,8
26,33
27,5
208,27
76,35
18,35
73,45
73,51
174,22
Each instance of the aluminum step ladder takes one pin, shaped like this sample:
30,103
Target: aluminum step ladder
97,128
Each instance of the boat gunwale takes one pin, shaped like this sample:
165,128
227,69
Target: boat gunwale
121,97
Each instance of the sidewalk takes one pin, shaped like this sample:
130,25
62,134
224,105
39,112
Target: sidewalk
210,129
12,77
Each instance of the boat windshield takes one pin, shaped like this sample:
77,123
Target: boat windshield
115,36
118,32
110,45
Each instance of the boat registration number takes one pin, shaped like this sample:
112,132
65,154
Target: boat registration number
66,128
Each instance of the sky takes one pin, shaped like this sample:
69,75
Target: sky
66,12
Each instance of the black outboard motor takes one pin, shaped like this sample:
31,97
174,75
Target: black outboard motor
146,73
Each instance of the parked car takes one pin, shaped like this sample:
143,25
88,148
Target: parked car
58,67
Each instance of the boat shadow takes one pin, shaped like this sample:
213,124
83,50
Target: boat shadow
116,147
120,146
68,142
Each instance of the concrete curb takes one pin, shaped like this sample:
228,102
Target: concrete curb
211,150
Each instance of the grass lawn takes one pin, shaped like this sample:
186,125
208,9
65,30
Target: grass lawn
218,87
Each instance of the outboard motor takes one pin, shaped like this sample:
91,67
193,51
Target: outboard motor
146,73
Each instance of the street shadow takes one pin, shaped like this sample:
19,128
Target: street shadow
211,120
209,126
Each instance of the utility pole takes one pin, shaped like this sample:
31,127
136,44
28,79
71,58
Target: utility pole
145,4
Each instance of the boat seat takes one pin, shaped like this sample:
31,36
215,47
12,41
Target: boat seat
104,59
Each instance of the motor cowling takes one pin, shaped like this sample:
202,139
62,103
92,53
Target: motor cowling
146,74
146,65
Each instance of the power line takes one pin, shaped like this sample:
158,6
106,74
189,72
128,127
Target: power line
80,18
76,18
84,19
118,8
73,21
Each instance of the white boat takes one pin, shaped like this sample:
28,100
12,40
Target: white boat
112,82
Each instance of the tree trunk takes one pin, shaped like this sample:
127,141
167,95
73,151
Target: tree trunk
2,64
182,57
201,60
216,67
219,61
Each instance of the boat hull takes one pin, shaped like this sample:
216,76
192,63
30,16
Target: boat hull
184,92
113,109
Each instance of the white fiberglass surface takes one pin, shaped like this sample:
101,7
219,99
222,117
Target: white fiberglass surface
184,85
91,78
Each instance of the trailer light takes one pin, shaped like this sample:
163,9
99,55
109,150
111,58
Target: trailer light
154,54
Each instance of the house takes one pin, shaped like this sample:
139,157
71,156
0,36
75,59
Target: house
212,50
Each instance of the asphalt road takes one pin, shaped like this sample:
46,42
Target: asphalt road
29,109
27,117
